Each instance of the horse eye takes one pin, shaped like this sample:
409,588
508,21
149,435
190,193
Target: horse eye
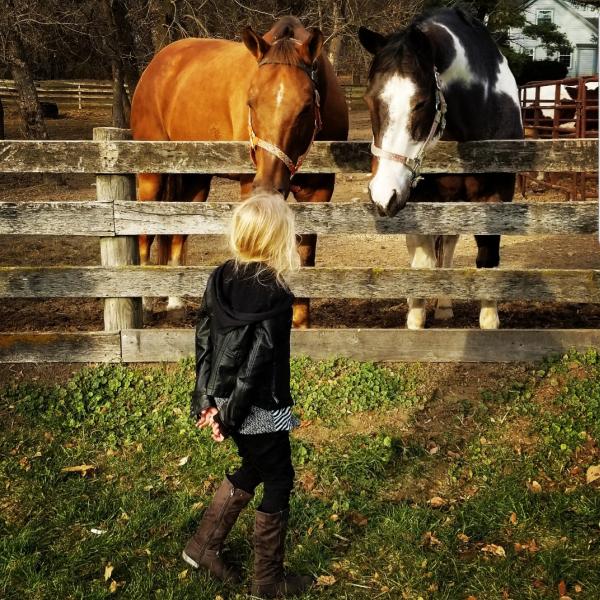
419,105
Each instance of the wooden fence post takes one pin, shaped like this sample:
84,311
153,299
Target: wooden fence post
119,313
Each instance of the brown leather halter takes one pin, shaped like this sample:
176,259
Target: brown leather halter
435,133
257,142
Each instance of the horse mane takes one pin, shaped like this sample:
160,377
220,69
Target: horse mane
398,44
284,47
284,50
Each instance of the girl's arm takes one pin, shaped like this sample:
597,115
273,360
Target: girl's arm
200,400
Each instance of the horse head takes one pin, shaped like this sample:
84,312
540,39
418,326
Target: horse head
283,104
407,110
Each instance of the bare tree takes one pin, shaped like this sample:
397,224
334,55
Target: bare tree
16,58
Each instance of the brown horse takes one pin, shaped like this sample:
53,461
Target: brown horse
203,89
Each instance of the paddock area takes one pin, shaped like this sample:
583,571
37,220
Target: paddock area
385,251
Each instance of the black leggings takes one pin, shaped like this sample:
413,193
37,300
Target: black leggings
266,458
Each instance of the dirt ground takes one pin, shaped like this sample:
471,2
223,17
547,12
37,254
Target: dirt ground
57,314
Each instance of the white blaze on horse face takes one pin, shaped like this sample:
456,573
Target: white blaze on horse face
280,94
393,176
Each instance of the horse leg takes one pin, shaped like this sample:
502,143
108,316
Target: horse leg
421,249
149,189
488,257
493,187
246,186
445,253
309,188
193,188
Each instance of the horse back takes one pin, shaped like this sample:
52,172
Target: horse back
194,89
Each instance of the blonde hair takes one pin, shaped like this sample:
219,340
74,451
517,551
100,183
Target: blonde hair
262,229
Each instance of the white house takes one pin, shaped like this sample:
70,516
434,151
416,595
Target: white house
580,25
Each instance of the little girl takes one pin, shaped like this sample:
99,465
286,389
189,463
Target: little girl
243,391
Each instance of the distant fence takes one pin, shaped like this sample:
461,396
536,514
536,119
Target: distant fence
116,219
98,94
564,108
79,94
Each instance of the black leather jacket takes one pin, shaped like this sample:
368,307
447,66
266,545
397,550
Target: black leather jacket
242,343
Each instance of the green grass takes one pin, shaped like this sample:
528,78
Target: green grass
361,511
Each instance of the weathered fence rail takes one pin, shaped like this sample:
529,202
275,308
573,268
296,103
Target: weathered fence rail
123,156
115,219
94,218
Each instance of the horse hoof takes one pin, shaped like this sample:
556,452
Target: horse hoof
443,314
488,318
416,318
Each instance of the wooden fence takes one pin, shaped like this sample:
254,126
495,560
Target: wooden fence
98,94
116,219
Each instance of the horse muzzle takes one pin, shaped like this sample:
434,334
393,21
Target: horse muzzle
394,204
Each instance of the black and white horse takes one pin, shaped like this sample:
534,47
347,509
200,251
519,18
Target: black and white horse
444,69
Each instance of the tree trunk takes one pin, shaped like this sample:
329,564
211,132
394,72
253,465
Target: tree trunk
119,117
161,15
125,44
29,104
2,136
335,43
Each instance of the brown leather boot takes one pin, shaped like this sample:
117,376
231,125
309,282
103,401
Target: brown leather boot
269,546
204,547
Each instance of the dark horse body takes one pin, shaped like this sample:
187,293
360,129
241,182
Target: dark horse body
450,51
204,89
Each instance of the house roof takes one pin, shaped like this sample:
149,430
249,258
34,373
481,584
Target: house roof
590,22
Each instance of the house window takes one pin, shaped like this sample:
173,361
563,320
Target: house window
529,52
545,16
565,58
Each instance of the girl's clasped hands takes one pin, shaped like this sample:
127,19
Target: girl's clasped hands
207,417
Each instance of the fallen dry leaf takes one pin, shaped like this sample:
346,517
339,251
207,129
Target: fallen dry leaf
530,546
430,540
83,469
108,571
494,549
578,589
358,519
182,574
334,517
592,474
472,598
437,502
513,518
534,487
182,461
113,586
562,588
325,580
462,537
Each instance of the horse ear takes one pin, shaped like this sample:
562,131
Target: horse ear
257,45
311,48
371,41
419,38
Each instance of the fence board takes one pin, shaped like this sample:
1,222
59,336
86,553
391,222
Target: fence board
560,285
341,157
428,345
132,218
57,218
361,217
96,346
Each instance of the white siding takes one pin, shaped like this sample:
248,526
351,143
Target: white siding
573,24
